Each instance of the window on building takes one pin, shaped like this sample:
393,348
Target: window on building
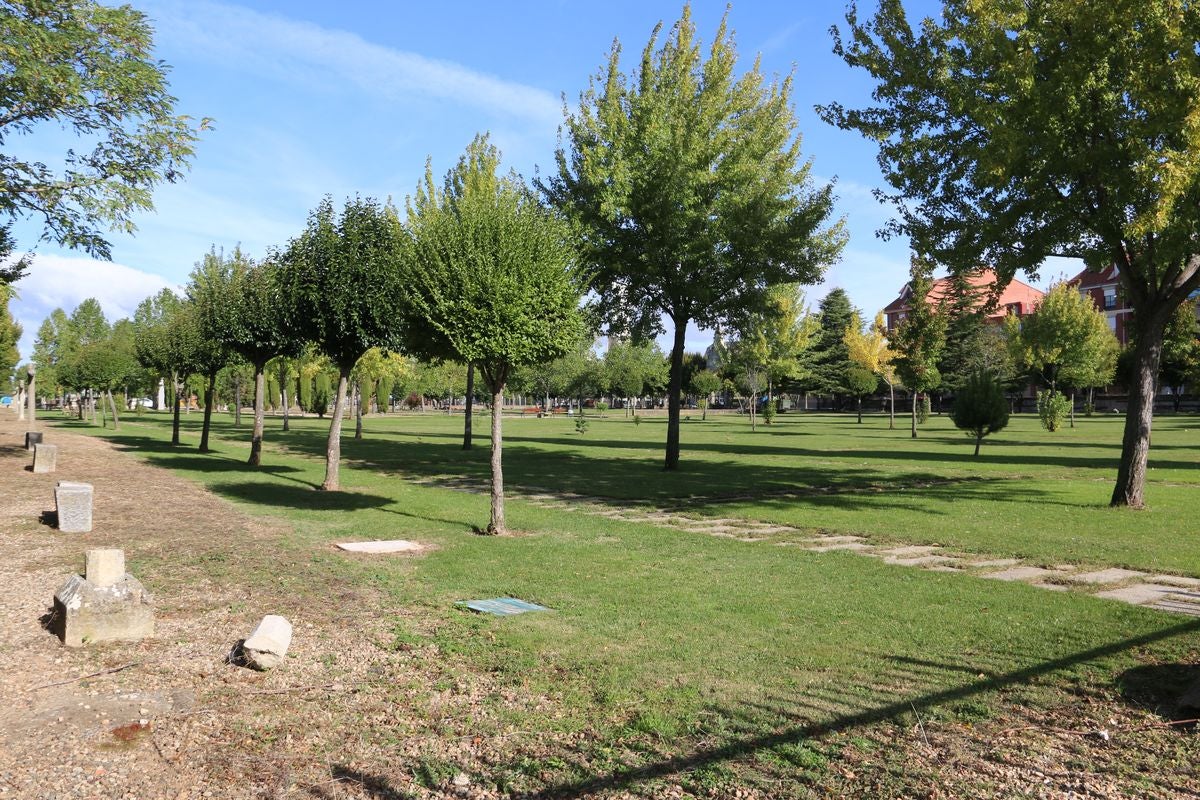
1112,323
1110,297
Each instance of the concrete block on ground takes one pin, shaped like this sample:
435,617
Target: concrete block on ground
32,438
1022,574
390,546
1141,593
45,457
73,503
85,613
267,646
104,567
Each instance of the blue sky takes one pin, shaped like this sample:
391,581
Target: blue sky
350,98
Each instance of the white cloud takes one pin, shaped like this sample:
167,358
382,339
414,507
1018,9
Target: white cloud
307,53
63,281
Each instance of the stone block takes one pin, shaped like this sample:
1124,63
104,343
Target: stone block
267,646
45,457
104,567
32,438
86,614
73,502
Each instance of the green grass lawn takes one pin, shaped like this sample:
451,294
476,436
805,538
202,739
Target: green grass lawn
744,650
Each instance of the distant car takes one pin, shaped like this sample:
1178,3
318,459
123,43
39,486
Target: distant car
145,402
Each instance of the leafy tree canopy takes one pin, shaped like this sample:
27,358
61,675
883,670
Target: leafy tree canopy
686,183
90,70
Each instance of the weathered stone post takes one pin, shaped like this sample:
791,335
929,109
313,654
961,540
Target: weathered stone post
31,393
104,604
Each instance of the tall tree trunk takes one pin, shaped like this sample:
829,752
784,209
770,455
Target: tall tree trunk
914,414
674,389
753,404
101,416
283,390
891,407
468,407
1139,417
175,414
260,398
80,401
978,440
210,390
358,409
237,399
860,409
31,401
113,405
496,524
333,445
1072,409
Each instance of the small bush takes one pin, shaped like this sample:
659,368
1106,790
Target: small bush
923,409
1053,407
581,424
601,407
1089,409
769,411
980,407
413,401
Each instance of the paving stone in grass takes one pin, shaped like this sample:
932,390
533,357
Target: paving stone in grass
833,539
1141,593
1106,576
995,562
908,551
919,561
1053,587
1176,580
1021,574
825,548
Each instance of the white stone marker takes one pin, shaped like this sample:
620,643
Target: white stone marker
45,457
267,646
104,567
73,502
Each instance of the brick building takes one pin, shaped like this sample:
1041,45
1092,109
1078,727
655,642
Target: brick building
1017,298
1102,287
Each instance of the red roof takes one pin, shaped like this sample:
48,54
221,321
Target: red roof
1017,291
1089,279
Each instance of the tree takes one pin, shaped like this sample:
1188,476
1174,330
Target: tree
786,330
256,331
828,358
705,384
211,292
965,307
861,382
634,368
86,326
744,360
1066,340
90,70
688,188
48,350
493,273
920,338
1010,132
339,280
166,339
1180,353
10,334
870,351
980,407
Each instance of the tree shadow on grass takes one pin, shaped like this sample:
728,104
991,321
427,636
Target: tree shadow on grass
275,495
641,480
810,714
